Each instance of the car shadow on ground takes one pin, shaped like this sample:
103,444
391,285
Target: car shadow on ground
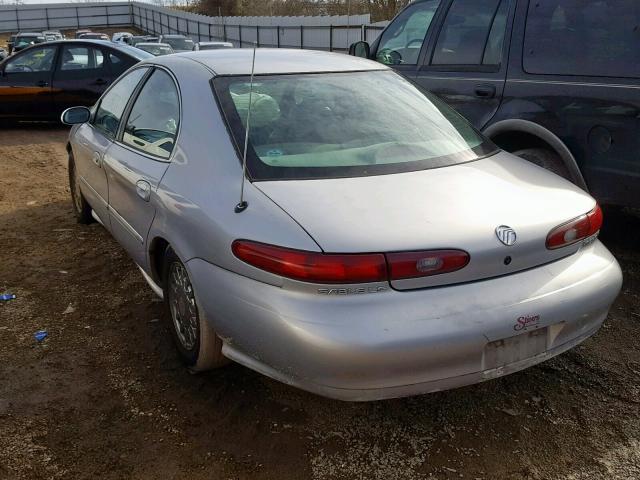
118,394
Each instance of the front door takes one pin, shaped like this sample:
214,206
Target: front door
93,140
135,165
25,84
466,63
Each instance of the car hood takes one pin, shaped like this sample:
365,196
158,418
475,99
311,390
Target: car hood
452,207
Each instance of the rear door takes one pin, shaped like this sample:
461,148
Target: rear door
136,163
92,141
577,73
466,61
80,77
25,84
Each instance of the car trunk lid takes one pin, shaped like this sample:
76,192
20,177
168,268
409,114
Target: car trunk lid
457,207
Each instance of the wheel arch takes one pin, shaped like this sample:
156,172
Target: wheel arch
529,134
157,250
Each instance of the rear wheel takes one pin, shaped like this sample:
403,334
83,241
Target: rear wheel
197,343
546,159
81,208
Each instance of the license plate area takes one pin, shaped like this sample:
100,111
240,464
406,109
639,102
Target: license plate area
515,349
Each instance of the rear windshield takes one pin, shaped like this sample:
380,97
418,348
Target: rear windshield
179,43
344,125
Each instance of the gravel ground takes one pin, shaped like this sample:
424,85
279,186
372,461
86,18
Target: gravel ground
105,395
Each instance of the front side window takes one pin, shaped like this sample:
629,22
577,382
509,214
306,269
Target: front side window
34,60
81,58
467,33
113,103
152,125
344,124
402,40
573,37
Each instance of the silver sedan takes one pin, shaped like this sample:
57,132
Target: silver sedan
319,219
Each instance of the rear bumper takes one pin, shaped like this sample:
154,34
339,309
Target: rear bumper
391,344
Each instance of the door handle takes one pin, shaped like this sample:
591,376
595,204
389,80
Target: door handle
485,91
42,83
97,159
143,189
101,81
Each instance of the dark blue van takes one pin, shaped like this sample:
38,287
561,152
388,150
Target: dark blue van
554,81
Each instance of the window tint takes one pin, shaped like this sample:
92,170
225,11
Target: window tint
573,37
81,58
467,31
113,103
402,40
153,122
120,63
35,60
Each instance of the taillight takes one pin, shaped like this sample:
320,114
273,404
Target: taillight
422,264
312,266
575,230
318,267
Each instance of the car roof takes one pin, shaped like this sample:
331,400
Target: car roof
29,34
173,35
152,44
237,61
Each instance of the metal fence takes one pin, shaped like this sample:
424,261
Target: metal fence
56,16
334,33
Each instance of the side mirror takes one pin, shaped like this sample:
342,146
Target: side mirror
75,115
360,49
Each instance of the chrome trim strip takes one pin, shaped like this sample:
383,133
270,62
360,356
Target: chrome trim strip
154,286
575,84
125,224
106,205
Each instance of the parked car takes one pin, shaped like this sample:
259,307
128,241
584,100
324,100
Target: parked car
368,256
93,36
143,39
41,81
179,43
122,37
52,35
555,82
156,49
24,40
211,45
82,31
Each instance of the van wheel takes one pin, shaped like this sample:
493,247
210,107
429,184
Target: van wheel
546,159
81,209
198,345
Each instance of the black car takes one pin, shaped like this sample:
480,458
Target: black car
555,81
24,40
43,80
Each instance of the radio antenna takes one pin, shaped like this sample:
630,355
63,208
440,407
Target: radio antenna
242,205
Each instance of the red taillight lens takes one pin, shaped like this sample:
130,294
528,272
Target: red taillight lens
575,230
312,266
422,264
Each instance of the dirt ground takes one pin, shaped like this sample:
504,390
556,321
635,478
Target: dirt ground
104,396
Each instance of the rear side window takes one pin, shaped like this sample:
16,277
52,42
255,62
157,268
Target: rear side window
81,58
574,37
472,34
120,63
113,103
402,40
152,125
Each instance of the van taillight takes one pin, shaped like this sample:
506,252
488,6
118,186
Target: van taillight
316,267
575,230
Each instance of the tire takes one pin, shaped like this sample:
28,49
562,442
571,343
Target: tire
81,209
546,159
197,343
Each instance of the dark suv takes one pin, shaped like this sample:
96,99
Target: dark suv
554,81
